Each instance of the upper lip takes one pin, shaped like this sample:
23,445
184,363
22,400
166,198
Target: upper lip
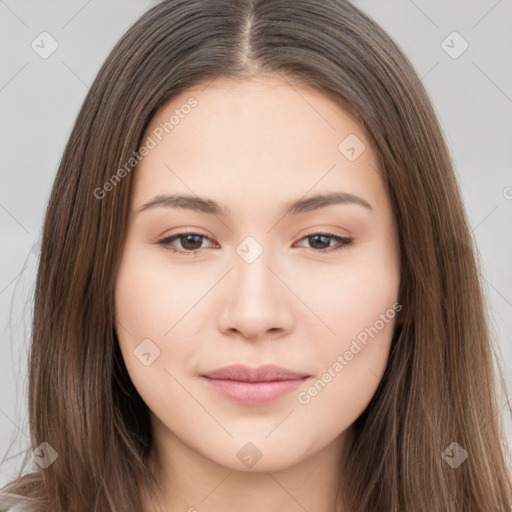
265,373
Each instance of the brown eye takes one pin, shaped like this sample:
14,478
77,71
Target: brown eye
190,243
322,241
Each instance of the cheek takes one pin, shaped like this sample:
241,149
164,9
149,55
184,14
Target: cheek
151,296
147,308
353,363
349,297
358,305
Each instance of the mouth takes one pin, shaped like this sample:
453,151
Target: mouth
254,386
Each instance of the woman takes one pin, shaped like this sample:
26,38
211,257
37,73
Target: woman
327,349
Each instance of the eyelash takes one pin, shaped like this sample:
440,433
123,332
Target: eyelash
165,242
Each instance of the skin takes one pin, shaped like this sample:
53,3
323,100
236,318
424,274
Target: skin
255,145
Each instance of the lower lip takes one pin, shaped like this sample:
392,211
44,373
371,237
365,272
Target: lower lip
253,393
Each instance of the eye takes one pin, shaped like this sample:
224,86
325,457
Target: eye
191,242
322,241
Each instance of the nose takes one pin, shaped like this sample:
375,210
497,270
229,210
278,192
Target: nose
257,302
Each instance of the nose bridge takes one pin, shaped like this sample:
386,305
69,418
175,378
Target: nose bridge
252,275
255,301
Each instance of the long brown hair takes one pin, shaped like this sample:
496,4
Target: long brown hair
439,387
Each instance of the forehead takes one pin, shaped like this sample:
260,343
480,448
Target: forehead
252,135
261,107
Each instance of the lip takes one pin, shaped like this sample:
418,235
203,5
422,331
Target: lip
254,386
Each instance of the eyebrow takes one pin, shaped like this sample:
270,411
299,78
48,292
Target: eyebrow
213,208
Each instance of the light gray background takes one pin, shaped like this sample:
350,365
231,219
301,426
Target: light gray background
39,99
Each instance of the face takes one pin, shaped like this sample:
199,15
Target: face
238,274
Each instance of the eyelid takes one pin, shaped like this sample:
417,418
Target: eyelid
342,241
167,239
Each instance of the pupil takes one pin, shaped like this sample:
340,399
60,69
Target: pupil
316,237
188,238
